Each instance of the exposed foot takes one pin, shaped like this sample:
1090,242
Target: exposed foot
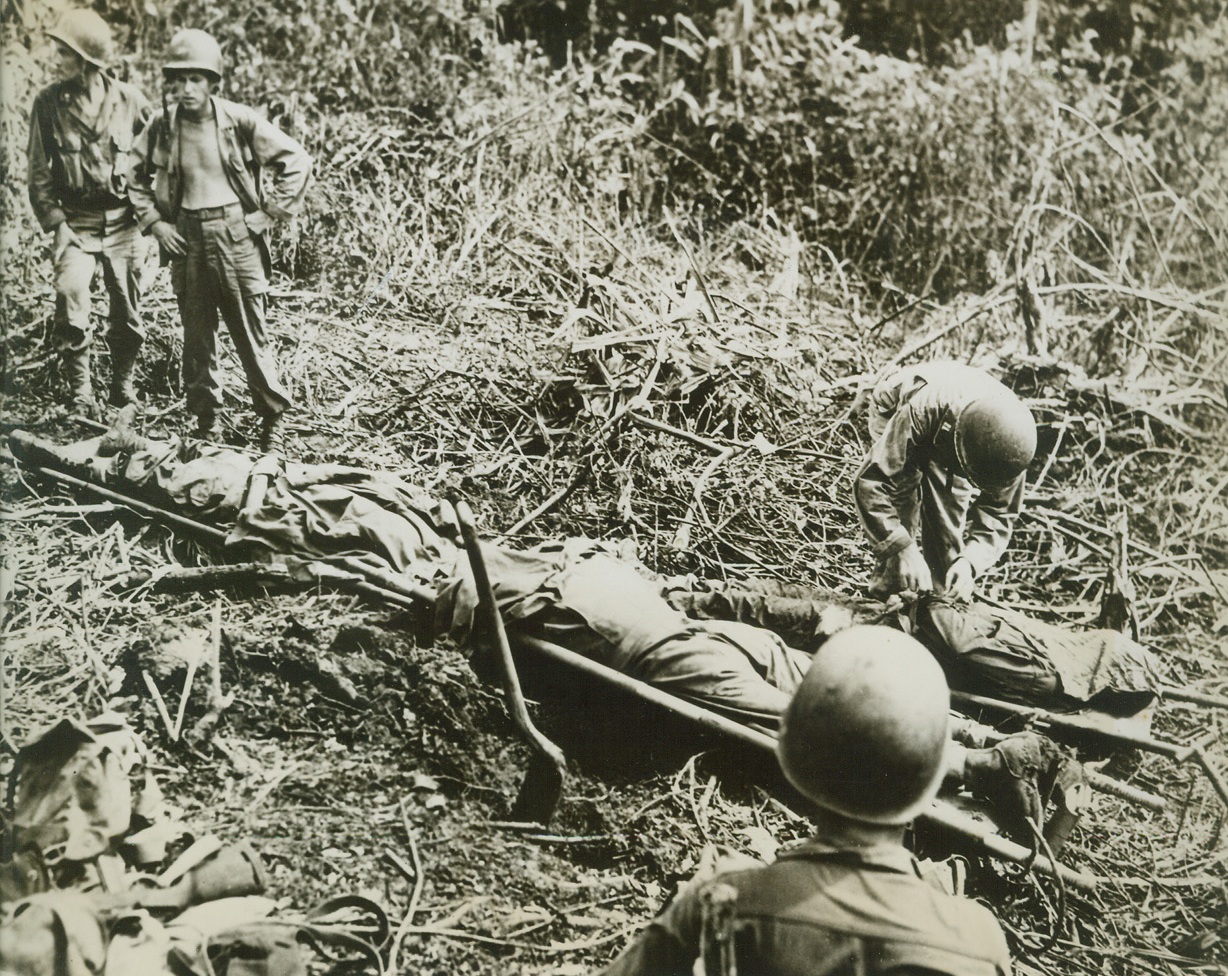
122,436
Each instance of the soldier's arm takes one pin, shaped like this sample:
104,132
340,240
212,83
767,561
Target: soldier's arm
287,161
141,175
43,198
889,458
991,519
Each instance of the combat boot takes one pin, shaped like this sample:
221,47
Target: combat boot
123,389
206,426
1016,775
76,364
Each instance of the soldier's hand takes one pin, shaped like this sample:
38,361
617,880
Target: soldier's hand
64,236
960,580
914,571
258,221
169,239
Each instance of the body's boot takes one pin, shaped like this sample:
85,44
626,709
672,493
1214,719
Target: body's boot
123,367
206,426
77,376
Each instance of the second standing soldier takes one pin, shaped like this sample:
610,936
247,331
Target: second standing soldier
196,186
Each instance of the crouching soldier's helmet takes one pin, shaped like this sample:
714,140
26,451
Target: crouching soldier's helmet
86,34
995,439
866,733
194,50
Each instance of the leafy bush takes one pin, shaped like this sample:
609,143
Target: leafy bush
927,178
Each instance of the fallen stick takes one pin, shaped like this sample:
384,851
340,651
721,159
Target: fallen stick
415,896
552,949
189,578
543,784
1194,697
160,703
1124,791
193,663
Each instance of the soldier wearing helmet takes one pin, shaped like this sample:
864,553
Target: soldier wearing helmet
197,188
81,130
939,493
863,739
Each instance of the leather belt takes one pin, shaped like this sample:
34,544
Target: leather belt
213,213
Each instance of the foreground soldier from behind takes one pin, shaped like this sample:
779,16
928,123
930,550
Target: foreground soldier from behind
864,739
942,432
196,187
81,130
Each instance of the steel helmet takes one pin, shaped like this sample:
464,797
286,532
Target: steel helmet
866,733
194,50
85,33
995,439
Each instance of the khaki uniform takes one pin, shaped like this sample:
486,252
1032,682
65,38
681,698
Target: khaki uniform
820,909
77,174
225,270
912,485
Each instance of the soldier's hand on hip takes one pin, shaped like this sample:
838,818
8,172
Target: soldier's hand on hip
258,221
169,239
64,236
914,571
960,580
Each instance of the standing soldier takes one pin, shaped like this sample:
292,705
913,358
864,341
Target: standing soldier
942,431
81,130
196,186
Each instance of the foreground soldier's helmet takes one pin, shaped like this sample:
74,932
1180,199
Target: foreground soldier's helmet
85,33
995,439
194,50
866,732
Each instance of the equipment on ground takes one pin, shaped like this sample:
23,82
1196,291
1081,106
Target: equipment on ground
543,783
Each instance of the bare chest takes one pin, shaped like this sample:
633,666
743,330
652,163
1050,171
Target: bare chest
200,162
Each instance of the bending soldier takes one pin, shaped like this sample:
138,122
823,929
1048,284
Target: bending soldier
942,432
864,739
81,130
196,187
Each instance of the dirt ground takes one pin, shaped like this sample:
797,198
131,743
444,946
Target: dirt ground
357,760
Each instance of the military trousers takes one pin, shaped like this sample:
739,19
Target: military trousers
109,239
222,274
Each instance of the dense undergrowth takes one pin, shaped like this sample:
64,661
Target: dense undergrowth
636,293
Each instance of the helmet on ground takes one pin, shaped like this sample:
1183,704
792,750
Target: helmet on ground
995,439
85,33
866,733
194,50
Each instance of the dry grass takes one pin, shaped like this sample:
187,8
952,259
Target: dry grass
502,309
